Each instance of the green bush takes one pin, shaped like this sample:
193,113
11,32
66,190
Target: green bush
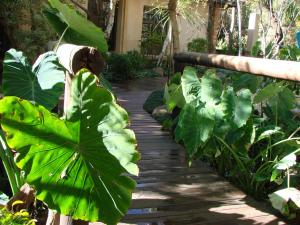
152,44
118,68
198,45
242,125
154,100
121,67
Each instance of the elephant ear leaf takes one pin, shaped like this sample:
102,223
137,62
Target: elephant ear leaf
237,108
43,83
195,127
77,164
211,88
73,27
191,86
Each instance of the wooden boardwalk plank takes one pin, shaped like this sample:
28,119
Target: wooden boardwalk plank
168,191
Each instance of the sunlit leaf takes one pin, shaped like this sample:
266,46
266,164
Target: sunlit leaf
76,165
280,200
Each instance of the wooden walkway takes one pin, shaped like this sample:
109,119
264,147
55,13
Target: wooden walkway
170,193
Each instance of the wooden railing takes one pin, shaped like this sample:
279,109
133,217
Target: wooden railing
281,69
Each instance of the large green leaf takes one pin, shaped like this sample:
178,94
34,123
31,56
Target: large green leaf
245,80
74,27
282,104
76,165
191,86
211,87
269,91
237,108
195,126
43,83
173,96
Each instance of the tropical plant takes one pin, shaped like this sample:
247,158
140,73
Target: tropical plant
211,106
245,133
91,142
42,83
286,200
73,27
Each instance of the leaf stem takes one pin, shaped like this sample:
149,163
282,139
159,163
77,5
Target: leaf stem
12,172
237,159
60,39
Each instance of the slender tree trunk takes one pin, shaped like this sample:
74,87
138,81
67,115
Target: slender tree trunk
167,42
210,26
232,22
239,26
96,13
172,7
111,18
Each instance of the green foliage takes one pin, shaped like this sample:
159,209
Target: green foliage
208,104
119,68
26,27
198,45
76,164
122,67
73,27
288,52
173,95
18,218
12,171
154,100
42,83
245,133
152,44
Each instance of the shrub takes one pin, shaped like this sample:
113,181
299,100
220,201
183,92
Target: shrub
152,44
198,45
154,100
119,68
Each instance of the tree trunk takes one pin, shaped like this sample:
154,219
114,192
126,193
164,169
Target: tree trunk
239,26
111,18
232,22
210,26
172,7
96,13
167,42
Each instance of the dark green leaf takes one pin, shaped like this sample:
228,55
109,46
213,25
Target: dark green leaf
211,88
191,86
269,91
195,126
43,83
74,27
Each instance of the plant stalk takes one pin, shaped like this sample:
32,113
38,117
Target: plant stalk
11,170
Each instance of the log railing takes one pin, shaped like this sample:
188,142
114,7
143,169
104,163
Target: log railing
281,69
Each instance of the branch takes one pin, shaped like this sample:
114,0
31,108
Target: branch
79,6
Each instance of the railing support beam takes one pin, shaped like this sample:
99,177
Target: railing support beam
281,69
